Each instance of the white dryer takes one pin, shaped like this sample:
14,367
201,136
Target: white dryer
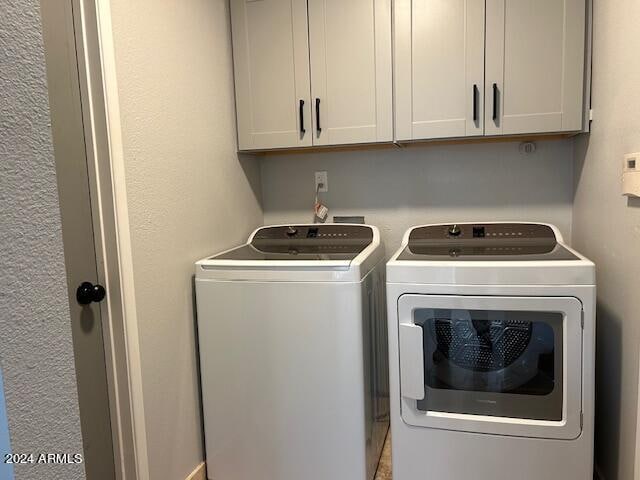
293,354
491,344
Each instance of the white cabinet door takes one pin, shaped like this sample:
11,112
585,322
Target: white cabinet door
534,66
439,68
351,76
271,61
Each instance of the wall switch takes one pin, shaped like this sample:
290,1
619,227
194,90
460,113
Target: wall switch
322,179
631,175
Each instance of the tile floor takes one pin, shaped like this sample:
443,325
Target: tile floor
384,467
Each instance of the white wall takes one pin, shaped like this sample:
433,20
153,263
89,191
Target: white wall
36,349
397,188
189,195
607,229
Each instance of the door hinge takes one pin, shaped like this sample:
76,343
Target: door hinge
591,114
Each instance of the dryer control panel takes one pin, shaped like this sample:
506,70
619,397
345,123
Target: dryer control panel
489,231
483,242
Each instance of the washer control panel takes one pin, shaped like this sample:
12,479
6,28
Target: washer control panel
317,233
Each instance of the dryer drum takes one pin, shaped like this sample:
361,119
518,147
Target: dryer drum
484,355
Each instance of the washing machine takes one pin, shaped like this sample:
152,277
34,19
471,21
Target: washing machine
293,354
491,344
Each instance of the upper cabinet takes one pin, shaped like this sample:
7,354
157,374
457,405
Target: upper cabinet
271,64
351,77
534,66
439,68
320,72
488,67
312,73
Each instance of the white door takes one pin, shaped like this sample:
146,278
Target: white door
495,365
534,66
351,77
439,68
271,61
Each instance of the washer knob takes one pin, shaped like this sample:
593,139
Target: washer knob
455,231
291,231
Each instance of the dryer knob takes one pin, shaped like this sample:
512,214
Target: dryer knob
455,231
291,231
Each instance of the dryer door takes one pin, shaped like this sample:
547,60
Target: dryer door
499,365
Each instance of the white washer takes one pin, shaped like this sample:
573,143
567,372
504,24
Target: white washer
293,354
491,345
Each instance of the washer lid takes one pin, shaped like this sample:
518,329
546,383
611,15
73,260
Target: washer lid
296,243
312,252
485,242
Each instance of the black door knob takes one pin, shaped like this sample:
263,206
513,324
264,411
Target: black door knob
87,292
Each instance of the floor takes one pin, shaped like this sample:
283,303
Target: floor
384,467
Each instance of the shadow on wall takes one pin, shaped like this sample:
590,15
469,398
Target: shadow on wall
197,353
580,149
608,379
251,169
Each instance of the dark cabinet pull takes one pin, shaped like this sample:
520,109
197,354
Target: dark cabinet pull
302,130
318,129
495,101
475,103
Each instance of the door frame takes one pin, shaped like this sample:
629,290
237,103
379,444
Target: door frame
411,355
95,58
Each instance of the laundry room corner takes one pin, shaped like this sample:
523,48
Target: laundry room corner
606,228
189,194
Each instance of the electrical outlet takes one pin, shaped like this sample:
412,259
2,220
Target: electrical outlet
323,180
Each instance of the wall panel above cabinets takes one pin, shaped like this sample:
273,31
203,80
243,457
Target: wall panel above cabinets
314,72
271,64
351,76
534,66
439,68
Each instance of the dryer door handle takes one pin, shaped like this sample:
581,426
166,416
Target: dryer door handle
411,361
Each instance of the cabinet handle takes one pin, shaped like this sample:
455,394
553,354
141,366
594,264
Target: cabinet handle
302,130
318,129
475,103
495,101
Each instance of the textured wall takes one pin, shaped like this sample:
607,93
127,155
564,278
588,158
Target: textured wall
189,196
607,229
36,350
398,188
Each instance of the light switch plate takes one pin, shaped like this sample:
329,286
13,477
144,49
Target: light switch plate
631,175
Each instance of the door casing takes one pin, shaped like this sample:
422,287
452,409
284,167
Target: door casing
90,58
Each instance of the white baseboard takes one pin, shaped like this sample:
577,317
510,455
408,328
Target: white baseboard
200,473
